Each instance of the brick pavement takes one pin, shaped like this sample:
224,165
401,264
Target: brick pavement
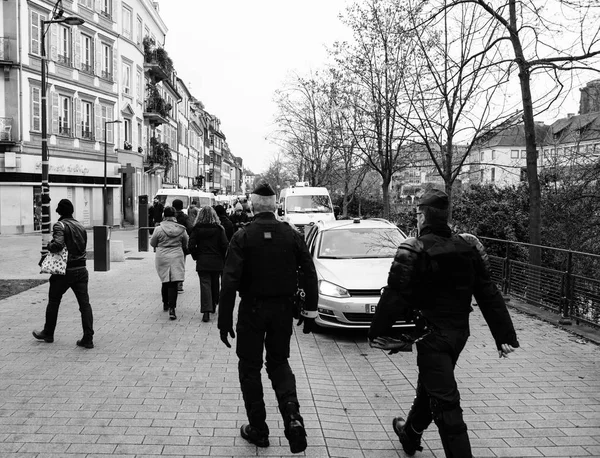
153,387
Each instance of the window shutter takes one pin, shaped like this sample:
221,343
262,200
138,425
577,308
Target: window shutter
35,33
98,59
76,37
54,42
55,112
36,109
77,120
98,120
114,65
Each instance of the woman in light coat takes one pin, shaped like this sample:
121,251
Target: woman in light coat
170,240
208,246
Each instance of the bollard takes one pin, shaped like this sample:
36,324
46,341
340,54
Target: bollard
101,248
143,223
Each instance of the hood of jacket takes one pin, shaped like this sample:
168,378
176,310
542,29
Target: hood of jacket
171,228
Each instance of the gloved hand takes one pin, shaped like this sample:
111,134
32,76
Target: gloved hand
224,334
309,324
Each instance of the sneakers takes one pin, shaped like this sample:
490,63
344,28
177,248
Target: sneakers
253,436
409,438
180,287
41,335
85,344
172,315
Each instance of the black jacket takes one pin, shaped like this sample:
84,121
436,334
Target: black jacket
227,225
69,232
437,274
208,246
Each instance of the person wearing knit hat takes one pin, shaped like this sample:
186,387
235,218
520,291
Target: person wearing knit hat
239,218
262,264
70,233
431,282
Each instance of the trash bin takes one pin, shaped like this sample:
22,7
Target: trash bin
102,248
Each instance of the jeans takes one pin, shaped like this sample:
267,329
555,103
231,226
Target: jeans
77,280
169,293
209,290
265,324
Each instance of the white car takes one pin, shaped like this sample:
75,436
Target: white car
352,259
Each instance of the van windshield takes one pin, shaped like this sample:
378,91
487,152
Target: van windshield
308,204
167,201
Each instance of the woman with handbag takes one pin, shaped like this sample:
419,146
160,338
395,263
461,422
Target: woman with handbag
170,240
68,233
208,246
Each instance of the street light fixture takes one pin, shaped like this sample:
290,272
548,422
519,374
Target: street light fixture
58,19
104,190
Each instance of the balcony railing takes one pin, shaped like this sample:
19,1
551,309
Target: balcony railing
107,75
64,59
156,110
87,68
106,14
6,130
64,130
4,49
567,284
87,134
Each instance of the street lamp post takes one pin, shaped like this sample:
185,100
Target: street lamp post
104,190
58,19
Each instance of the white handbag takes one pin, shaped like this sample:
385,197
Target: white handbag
55,263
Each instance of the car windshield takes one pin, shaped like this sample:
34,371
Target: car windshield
309,204
360,243
167,201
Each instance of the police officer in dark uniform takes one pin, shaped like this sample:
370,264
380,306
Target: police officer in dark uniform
432,280
263,263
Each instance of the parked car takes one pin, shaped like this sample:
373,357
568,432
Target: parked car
352,259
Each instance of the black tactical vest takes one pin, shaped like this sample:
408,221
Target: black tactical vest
270,260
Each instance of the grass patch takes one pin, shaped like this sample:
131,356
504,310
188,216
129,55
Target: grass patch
11,287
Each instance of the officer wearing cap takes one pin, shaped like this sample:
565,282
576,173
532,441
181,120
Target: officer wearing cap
263,262
431,281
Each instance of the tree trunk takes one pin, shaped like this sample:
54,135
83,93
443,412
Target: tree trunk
385,189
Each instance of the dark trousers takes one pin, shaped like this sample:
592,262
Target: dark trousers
209,290
77,280
168,292
437,397
265,325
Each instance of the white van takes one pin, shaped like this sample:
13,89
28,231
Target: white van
302,204
187,196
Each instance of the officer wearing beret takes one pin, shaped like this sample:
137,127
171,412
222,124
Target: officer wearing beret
263,262
431,281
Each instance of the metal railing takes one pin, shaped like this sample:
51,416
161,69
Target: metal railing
4,49
566,283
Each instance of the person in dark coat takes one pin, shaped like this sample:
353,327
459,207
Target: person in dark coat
225,221
170,240
186,222
432,281
155,212
69,232
208,246
264,261
239,217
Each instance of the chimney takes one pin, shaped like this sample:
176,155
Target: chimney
589,101
570,115
155,5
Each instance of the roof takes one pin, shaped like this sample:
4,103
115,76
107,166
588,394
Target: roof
355,223
580,128
515,135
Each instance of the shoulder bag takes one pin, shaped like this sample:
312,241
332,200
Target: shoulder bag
55,263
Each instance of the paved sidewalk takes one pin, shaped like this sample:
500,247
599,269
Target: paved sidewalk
152,387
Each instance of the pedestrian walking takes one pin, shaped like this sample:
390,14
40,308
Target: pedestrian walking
170,240
186,222
263,264
239,217
155,212
225,221
208,246
431,282
69,232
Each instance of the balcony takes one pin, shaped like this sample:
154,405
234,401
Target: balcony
87,68
156,110
64,60
5,51
107,75
64,131
157,63
87,134
6,134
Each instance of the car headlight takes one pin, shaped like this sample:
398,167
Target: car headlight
329,289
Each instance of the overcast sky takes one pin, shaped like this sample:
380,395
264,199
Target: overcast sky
234,54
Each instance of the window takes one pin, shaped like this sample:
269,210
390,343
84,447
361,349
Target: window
106,61
64,45
64,116
139,85
493,154
140,31
106,9
87,116
523,154
514,154
139,134
126,78
87,3
127,16
107,115
127,129
87,54
481,158
36,109
35,46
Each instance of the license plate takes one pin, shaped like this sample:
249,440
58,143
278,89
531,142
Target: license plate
370,308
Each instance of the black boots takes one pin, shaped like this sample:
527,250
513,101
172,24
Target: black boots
41,335
206,317
294,428
254,436
409,438
172,315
